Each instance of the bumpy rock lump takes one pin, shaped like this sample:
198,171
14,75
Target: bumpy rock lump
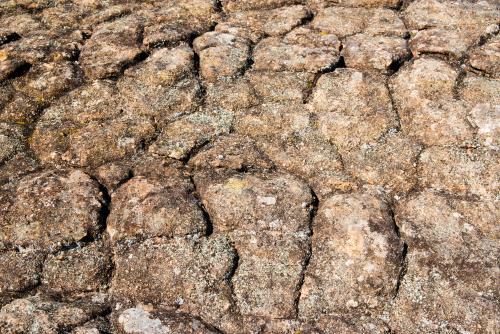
249,166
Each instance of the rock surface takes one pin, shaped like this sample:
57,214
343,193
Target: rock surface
243,167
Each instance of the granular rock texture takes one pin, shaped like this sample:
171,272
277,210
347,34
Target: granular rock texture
258,166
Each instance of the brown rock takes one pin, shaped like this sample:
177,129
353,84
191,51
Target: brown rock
280,86
352,108
301,50
255,24
231,152
154,207
180,137
424,94
374,52
183,274
163,86
355,258
112,47
88,127
449,27
450,281
78,270
11,140
20,271
246,202
460,171
140,320
173,21
344,21
390,164
235,5
483,96
221,55
39,315
50,209
487,57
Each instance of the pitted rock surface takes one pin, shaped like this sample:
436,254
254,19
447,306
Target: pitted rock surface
244,167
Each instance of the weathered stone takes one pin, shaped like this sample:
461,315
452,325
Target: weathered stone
345,21
154,207
163,86
374,52
78,270
353,108
301,50
11,140
483,96
256,24
221,55
281,86
88,127
231,95
111,48
487,57
231,152
20,271
47,81
50,209
180,137
182,274
449,27
355,258
39,315
141,320
289,138
390,164
276,203
450,279
173,21
424,93
460,171
235,5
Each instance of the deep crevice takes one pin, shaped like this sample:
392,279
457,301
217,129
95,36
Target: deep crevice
312,215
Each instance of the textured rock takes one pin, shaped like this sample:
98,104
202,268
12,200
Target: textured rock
449,27
154,207
71,131
424,93
487,57
163,86
356,255
374,52
483,97
301,50
111,48
221,55
257,166
173,21
345,21
139,320
255,24
20,272
231,152
460,171
78,270
360,111
246,202
39,315
50,209
181,274
180,137
451,263
390,164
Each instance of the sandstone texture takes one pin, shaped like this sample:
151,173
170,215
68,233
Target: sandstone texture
249,167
